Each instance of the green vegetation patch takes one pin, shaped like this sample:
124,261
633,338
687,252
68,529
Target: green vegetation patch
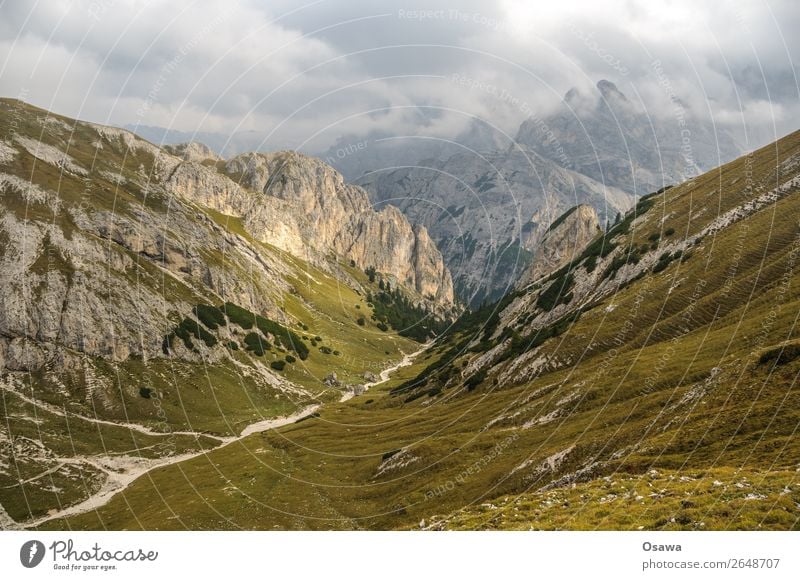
256,343
393,308
282,335
211,316
558,292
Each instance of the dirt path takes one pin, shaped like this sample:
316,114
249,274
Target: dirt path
386,373
122,471
59,412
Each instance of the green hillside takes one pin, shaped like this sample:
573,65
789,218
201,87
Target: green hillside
650,384
127,355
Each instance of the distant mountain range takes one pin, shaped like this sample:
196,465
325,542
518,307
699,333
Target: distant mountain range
486,200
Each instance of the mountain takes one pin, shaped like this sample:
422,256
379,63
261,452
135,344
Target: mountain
155,305
481,205
564,239
222,144
484,210
617,142
650,383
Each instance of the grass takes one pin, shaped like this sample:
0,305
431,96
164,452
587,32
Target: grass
674,372
69,436
664,374
707,499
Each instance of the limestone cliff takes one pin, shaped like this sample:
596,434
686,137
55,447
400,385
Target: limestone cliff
329,214
563,241
107,240
193,151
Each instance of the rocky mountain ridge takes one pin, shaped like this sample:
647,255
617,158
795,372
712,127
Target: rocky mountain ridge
482,203
565,238
484,211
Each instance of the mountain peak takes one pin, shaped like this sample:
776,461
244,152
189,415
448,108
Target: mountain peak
571,95
609,90
193,151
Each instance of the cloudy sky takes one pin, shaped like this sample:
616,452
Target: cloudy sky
304,74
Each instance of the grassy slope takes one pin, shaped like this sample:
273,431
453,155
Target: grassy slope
682,393
217,398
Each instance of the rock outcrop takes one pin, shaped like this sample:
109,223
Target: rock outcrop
300,204
608,137
103,260
483,210
193,151
563,241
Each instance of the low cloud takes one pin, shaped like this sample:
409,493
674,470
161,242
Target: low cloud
305,75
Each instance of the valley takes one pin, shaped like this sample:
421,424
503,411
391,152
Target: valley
247,344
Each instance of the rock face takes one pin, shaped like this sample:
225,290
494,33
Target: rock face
101,258
301,205
483,211
608,137
563,241
193,151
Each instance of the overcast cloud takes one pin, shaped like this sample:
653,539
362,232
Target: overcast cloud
307,74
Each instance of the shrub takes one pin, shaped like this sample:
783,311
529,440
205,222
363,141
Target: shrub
336,353
166,344
290,359
664,261
475,380
283,336
361,321
278,365
256,343
326,350
232,345
145,392
557,293
393,308
190,327
239,315
669,231
209,315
